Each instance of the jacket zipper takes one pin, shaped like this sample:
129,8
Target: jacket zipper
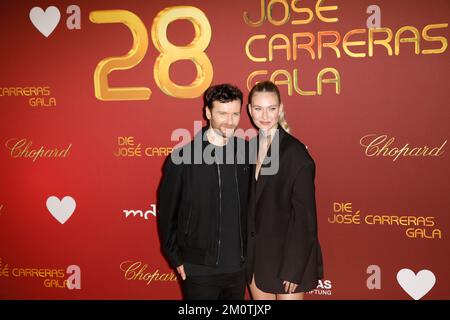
220,212
188,222
239,207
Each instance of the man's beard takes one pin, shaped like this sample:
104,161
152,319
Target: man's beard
224,132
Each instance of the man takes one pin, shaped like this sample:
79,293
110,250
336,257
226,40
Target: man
203,204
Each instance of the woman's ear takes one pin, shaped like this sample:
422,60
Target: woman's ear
249,106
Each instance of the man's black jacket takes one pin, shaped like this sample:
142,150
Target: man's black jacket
189,203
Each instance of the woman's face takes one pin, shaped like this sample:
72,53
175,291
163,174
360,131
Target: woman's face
265,110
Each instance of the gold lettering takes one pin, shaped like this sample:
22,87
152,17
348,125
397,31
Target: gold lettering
286,46
247,47
443,40
415,39
336,80
346,43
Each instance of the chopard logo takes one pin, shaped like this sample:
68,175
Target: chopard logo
381,145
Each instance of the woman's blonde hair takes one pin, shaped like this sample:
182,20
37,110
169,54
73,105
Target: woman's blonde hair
269,86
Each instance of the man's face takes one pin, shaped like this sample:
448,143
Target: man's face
224,117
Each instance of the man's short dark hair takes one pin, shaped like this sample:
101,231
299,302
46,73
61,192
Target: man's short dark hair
222,93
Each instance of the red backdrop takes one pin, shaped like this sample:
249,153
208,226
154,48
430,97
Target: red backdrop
377,129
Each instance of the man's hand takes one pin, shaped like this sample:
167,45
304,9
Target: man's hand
180,270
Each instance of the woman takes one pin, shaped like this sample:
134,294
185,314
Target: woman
284,255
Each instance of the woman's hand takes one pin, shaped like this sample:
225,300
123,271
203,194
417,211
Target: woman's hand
289,287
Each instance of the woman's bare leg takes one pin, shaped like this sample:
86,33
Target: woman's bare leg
258,294
292,296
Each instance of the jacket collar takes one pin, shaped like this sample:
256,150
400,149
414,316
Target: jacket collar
262,179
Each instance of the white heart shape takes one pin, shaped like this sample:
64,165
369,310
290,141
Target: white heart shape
416,285
45,21
61,210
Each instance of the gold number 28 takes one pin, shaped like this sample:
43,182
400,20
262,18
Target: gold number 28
169,53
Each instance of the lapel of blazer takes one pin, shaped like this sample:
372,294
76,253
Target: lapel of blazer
252,196
262,179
